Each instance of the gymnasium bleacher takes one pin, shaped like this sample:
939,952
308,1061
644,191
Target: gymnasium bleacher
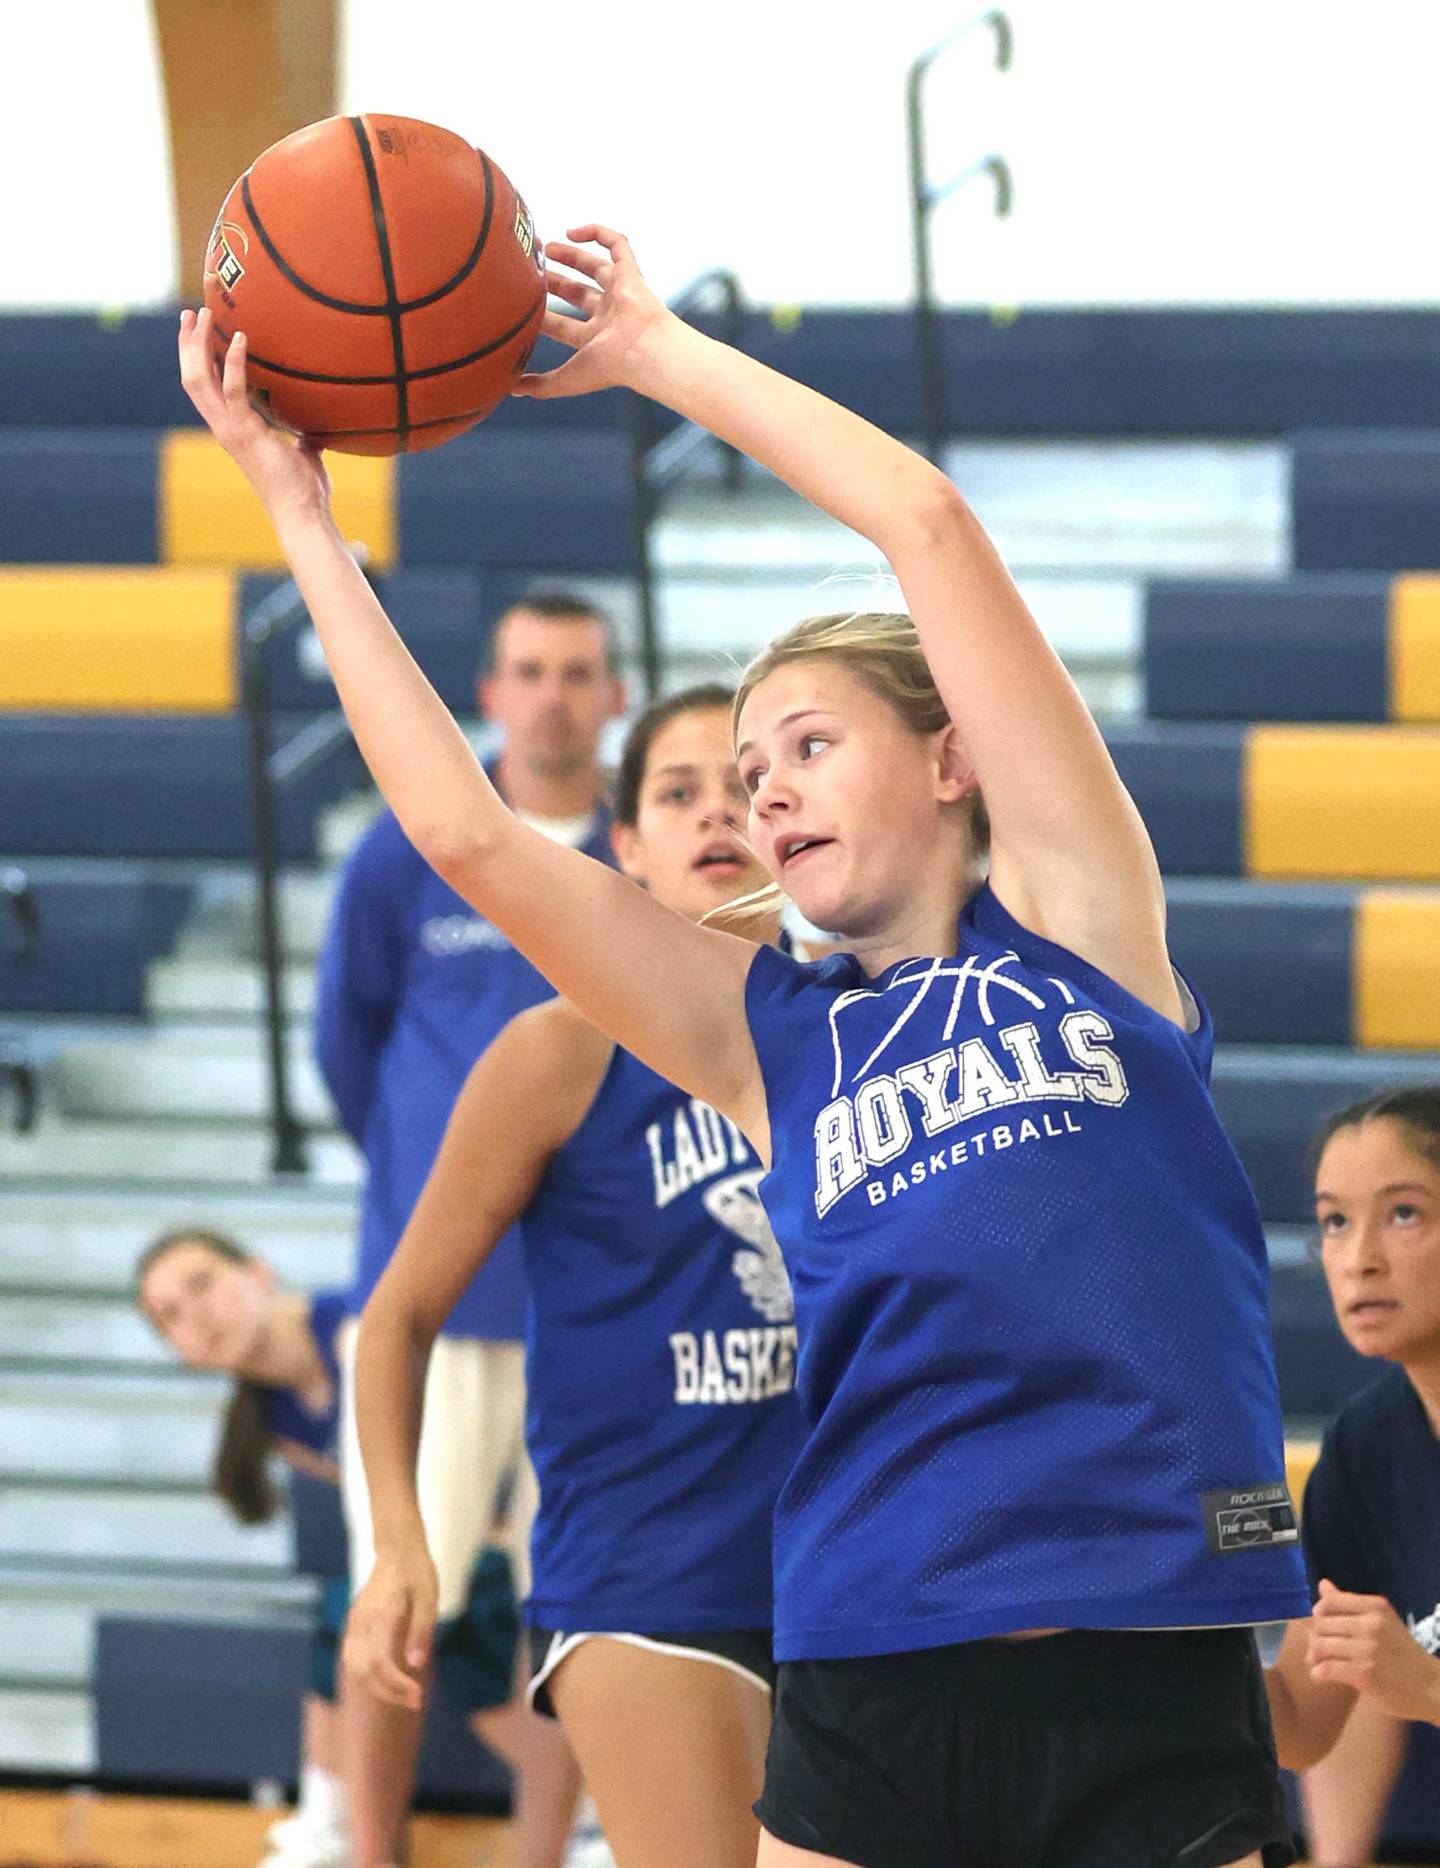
1226,521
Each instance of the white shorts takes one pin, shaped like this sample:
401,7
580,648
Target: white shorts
472,1463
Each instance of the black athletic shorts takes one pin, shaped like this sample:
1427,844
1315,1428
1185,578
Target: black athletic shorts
744,1651
1079,1750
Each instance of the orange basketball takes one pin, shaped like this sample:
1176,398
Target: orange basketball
387,278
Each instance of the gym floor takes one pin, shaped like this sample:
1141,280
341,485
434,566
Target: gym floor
79,1829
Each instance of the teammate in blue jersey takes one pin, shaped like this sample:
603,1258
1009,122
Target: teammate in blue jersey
1370,1658
660,1365
1030,1281
219,1307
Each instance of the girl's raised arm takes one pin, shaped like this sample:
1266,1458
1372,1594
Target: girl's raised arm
1070,855
669,991
521,1101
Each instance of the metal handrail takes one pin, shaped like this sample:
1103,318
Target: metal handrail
925,197
656,464
24,912
17,1067
270,771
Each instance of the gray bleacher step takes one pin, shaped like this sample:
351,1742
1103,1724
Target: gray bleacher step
1130,508
712,623
108,1429
205,987
225,918
47,1731
180,1156
47,1621
180,1072
91,1527
66,1328
66,1240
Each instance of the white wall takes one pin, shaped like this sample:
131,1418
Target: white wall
1203,150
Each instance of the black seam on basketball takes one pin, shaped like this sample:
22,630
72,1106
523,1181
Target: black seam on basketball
440,421
288,272
487,214
377,382
387,267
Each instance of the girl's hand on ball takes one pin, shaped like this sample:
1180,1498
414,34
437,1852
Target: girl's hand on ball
615,337
287,475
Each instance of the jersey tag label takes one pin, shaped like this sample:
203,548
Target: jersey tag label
1249,1517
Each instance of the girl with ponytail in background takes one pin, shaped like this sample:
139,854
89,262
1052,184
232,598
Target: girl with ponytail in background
220,1308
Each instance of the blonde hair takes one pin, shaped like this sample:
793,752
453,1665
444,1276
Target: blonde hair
881,648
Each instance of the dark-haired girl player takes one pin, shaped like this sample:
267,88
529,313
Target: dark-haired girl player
1371,1521
220,1307
1030,1280
659,1365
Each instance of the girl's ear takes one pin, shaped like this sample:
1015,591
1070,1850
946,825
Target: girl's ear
628,846
954,775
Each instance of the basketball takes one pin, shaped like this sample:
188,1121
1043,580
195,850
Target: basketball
387,278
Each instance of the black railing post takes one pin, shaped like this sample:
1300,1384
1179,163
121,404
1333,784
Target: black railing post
924,199
652,469
287,1134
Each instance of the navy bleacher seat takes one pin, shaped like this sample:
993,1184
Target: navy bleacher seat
77,497
1057,370
554,501
1186,781
1366,500
1300,648
1274,964
103,923
441,614
216,1705
118,785
1318,1369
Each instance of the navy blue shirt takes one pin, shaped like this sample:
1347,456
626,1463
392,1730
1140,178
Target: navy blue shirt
413,987
1371,1522
286,1414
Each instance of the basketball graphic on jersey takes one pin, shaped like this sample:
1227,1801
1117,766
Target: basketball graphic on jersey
760,1269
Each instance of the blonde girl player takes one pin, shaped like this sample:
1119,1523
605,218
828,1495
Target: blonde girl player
1369,1661
221,1308
1030,1281
659,1361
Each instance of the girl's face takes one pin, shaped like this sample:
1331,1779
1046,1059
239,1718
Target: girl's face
211,1312
1377,1200
685,842
846,803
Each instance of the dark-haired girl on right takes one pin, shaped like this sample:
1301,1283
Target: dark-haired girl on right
1371,1518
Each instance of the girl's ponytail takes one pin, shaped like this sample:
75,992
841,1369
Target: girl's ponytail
241,1473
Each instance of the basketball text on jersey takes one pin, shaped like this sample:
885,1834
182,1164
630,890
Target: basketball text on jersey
869,1127
695,1145
1427,1630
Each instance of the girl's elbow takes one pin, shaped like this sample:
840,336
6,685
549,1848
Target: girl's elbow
935,515
459,854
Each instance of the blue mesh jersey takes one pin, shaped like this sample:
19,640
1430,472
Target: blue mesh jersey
660,1369
286,1414
1032,1298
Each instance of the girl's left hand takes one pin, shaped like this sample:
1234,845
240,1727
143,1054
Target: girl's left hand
1360,1642
286,473
613,338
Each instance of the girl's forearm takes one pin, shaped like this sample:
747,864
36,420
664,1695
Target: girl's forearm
833,457
391,1360
417,754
